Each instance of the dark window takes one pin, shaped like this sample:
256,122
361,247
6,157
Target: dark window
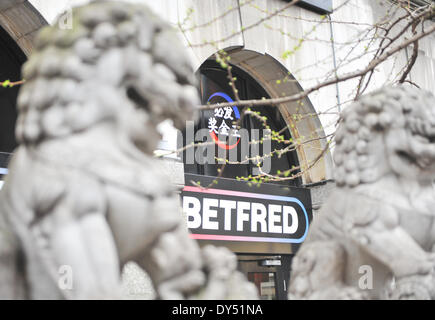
214,87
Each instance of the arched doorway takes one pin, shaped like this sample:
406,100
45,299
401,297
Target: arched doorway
19,24
11,60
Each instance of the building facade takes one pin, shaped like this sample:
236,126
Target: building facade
273,53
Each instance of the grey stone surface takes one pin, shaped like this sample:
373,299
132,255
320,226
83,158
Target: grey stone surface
84,195
374,238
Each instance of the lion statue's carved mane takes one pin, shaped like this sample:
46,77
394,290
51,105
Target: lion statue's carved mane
374,238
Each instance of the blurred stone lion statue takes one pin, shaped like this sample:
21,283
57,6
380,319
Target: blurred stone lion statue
374,238
83,189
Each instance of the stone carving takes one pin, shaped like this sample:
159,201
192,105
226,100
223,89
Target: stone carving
84,193
374,237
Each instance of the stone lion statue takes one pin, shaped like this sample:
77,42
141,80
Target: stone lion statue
83,189
374,238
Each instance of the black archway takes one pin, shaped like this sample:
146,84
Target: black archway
213,80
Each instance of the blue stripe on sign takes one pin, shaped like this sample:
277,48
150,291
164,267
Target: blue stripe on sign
3,171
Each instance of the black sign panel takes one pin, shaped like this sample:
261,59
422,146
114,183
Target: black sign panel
233,211
319,6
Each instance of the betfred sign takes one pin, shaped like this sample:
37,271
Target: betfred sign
233,211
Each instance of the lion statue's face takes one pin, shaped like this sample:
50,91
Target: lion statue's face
411,147
119,66
389,131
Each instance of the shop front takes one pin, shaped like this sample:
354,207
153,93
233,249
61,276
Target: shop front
224,204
